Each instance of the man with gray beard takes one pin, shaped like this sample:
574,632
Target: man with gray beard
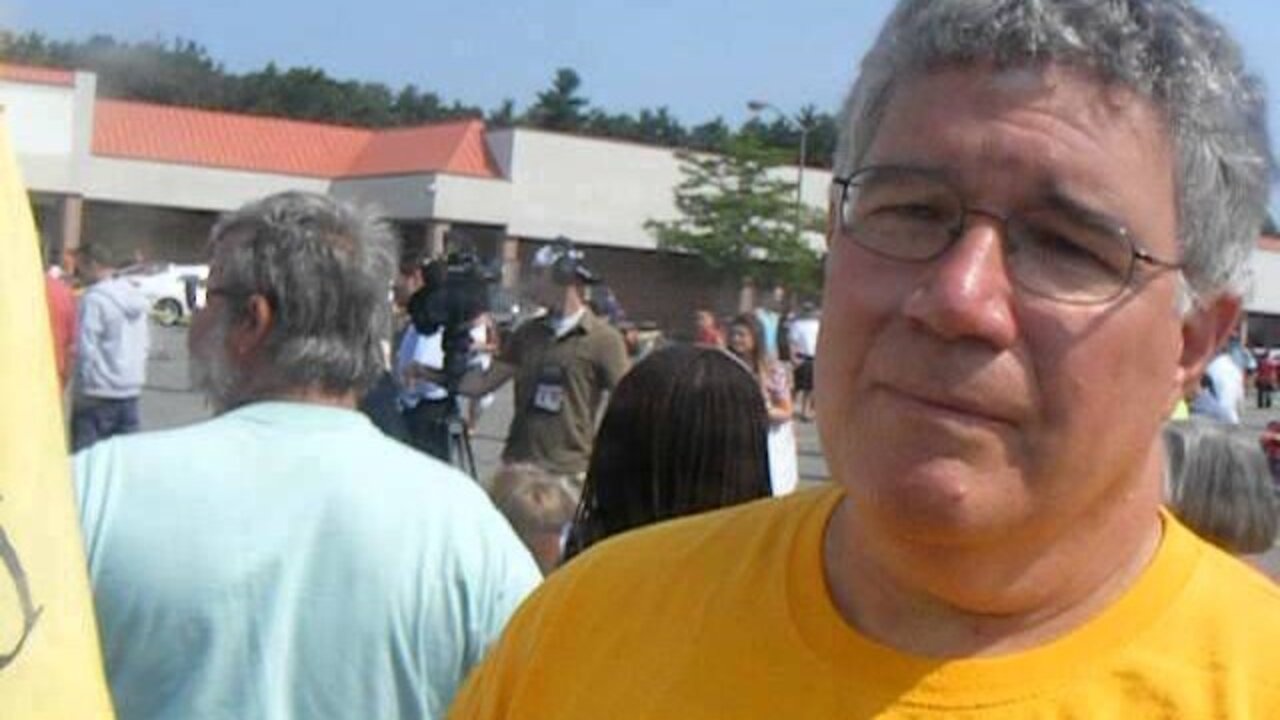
285,559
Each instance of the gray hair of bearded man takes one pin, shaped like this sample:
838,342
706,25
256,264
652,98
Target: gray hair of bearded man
1167,51
1219,483
326,270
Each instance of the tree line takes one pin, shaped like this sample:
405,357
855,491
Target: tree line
182,72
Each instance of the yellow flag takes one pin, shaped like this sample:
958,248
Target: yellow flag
50,663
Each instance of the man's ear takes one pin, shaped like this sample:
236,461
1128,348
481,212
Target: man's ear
1204,331
253,326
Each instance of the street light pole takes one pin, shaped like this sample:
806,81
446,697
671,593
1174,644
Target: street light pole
756,106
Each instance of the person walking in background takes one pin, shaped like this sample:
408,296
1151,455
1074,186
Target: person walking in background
768,316
1222,389
746,341
62,322
1266,377
804,346
111,350
419,365
685,432
564,364
285,559
707,329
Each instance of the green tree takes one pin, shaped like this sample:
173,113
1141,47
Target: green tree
710,136
560,107
783,133
621,126
660,128
504,115
741,219
178,73
33,48
822,136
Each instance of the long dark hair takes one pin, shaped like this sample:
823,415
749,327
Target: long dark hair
685,432
758,361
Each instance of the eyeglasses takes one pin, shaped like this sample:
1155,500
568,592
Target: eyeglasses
1062,251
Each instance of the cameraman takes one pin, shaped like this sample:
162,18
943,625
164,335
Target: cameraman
563,364
424,402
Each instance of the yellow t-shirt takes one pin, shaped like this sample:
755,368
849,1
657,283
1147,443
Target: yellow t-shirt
727,616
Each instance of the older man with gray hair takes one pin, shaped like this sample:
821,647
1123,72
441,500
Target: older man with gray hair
1040,220
285,559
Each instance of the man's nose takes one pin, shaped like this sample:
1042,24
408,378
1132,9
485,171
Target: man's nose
967,291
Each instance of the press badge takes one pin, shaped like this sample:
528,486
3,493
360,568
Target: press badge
548,394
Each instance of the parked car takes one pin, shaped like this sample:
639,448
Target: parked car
174,291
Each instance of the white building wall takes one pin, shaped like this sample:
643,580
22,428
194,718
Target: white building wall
449,198
42,125
593,191
601,191
40,117
185,186
459,198
1265,297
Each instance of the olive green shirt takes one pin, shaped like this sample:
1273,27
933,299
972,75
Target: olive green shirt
560,383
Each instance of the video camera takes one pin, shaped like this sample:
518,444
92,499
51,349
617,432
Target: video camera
454,293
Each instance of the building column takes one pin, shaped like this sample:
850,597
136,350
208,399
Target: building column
510,253
436,232
72,227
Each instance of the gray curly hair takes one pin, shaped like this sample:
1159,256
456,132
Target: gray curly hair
1167,51
326,268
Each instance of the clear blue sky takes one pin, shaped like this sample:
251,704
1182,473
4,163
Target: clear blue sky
700,58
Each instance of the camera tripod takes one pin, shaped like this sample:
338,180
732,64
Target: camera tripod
461,454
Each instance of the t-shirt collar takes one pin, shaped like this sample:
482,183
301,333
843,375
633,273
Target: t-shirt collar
563,325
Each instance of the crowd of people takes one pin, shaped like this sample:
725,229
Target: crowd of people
1027,288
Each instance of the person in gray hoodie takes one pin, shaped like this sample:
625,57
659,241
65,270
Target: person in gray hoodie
111,362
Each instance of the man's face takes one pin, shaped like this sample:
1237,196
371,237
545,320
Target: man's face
543,290
87,270
211,366
956,407
405,285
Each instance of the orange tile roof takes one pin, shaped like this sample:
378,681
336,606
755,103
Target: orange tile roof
37,75
455,147
1270,243
165,133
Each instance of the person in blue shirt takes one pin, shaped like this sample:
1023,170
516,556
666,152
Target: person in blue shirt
286,559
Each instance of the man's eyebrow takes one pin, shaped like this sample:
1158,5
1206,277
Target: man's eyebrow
1058,200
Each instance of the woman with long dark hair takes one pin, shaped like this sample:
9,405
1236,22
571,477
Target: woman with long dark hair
746,341
685,432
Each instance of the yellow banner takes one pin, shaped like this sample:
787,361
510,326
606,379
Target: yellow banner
50,663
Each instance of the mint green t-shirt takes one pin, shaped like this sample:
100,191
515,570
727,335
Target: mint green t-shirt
287,560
